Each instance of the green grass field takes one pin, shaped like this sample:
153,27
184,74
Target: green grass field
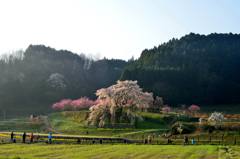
117,151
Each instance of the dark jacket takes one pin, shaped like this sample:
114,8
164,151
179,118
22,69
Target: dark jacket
24,136
185,139
12,135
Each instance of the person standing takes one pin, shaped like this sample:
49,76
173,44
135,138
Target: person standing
24,137
185,141
31,138
50,139
149,139
11,140
37,135
193,141
168,140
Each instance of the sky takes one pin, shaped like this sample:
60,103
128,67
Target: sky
116,29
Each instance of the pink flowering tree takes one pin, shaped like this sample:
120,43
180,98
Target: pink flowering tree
194,109
83,103
64,104
79,104
166,109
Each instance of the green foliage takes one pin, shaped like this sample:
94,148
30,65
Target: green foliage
187,128
193,69
156,117
183,118
208,126
148,124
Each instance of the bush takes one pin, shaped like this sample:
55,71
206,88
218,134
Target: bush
187,128
208,126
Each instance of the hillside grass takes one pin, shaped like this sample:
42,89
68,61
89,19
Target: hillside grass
151,125
117,151
20,124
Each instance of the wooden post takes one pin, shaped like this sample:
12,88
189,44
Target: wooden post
235,141
222,138
210,138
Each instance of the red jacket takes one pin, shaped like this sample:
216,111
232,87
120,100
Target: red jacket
31,136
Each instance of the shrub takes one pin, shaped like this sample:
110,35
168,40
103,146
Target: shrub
208,127
187,128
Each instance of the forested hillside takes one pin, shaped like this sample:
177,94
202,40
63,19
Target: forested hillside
195,69
38,77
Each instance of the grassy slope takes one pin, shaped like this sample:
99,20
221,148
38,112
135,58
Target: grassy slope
154,124
116,151
20,124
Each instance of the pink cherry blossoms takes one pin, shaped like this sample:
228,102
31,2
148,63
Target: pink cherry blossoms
166,109
194,109
79,104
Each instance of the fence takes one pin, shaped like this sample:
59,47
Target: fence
201,140
72,139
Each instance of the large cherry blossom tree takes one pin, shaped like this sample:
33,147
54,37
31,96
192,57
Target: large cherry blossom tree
125,96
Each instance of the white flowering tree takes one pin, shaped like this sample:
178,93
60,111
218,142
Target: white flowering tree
180,129
125,96
217,119
56,81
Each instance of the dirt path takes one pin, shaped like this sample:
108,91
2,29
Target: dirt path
169,125
48,126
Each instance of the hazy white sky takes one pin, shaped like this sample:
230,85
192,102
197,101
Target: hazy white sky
114,28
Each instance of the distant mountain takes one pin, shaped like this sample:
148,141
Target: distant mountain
195,69
33,80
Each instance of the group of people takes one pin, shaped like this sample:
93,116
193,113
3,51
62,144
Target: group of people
185,140
50,138
31,137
